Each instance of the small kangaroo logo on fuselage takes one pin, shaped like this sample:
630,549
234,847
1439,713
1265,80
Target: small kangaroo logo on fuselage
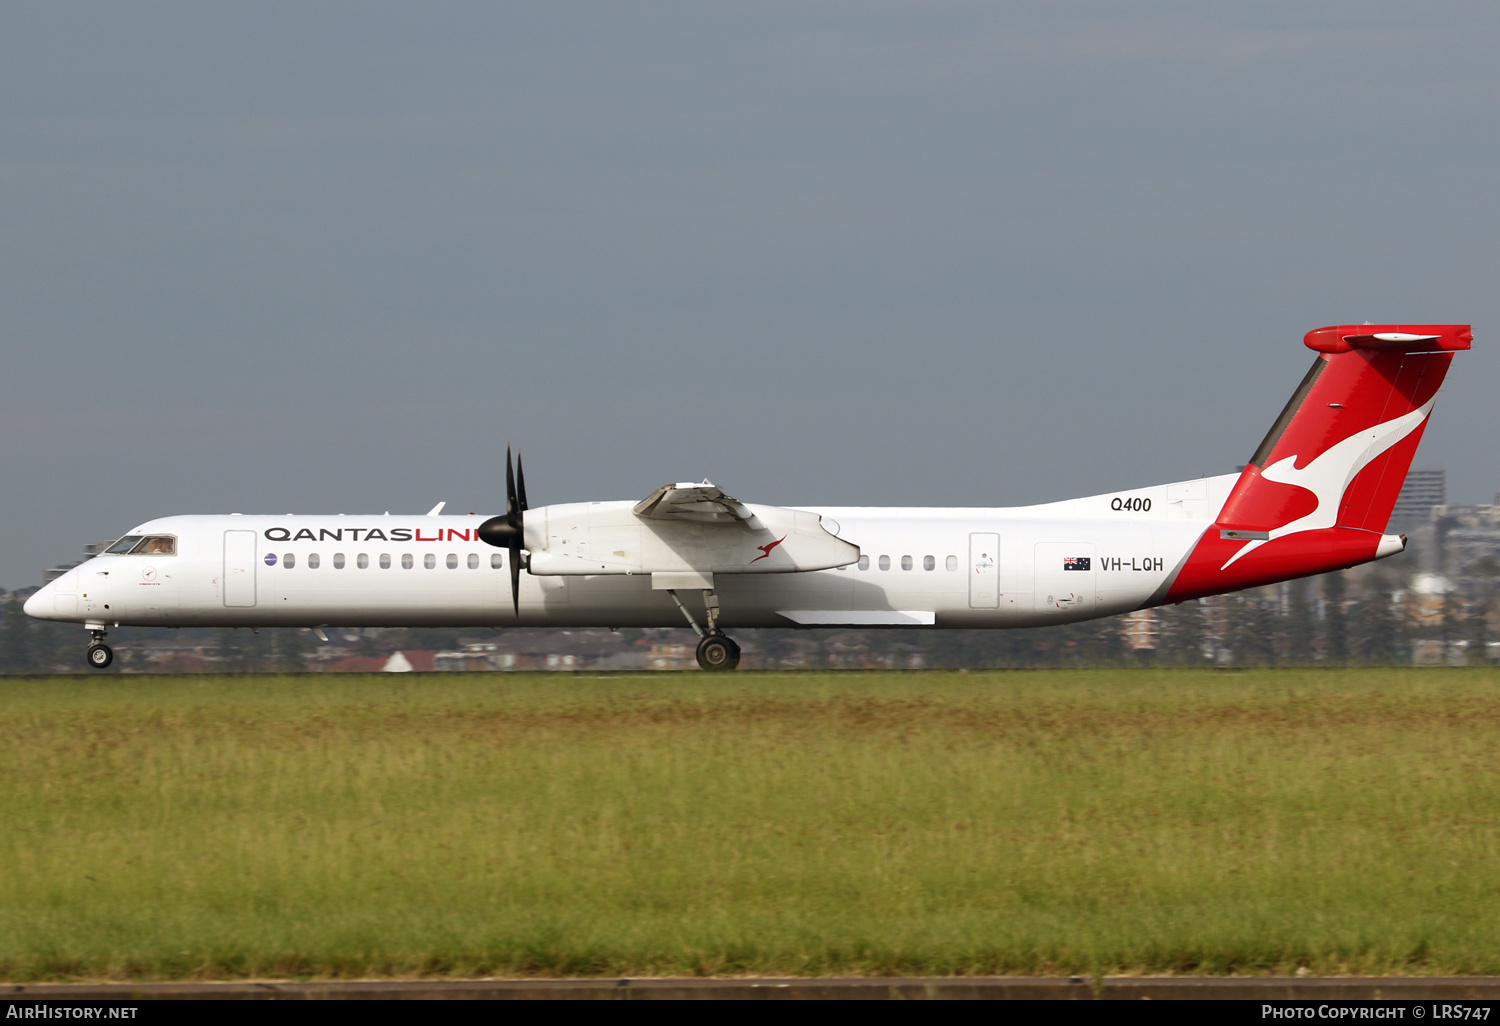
765,550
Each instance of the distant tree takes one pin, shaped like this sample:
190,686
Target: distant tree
982,648
1101,642
367,647
54,648
1298,629
1376,635
287,649
894,647
1252,630
234,657
1450,624
15,637
1335,626
1483,573
774,647
1180,633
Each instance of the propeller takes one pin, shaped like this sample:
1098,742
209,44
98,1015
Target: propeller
508,531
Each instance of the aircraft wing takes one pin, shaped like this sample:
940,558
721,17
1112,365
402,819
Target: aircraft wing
682,528
703,502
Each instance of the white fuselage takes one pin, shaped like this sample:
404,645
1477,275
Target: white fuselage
1023,566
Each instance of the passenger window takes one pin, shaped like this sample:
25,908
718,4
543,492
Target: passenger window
951,563
313,561
452,561
385,561
270,559
906,562
928,563
885,562
495,562
406,561
338,561
864,562
473,561
430,560
362,561
289,560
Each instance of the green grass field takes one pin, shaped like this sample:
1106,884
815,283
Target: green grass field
866,823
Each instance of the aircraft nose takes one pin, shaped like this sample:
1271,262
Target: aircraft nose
40,604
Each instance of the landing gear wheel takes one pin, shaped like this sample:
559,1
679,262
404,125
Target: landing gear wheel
716,652
100,656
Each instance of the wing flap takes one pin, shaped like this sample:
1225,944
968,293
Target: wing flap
703,502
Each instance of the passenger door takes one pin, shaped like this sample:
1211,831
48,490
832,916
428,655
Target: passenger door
239,568
984,571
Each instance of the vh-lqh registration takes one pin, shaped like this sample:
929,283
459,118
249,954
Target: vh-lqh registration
1316,496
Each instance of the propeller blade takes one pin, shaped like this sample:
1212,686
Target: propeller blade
515,506
510,491
508,531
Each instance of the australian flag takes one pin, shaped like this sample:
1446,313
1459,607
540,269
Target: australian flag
1077,562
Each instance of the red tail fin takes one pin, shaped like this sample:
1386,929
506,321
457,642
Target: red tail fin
1318,492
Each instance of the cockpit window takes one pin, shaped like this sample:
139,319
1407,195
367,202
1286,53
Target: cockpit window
145,545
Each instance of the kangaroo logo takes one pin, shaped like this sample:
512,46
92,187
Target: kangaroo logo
765,550
1330,474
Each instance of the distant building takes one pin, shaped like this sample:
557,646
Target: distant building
667,656
90,550
476,655
404,661
1139,630
1425,488
1467,534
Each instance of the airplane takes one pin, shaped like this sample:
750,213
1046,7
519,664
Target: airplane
1315,497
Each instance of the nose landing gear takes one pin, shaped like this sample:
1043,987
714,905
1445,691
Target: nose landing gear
99,655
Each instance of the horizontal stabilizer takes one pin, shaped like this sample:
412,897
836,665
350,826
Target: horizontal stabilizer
1344,338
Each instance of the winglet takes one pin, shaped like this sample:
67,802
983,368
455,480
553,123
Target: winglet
434,511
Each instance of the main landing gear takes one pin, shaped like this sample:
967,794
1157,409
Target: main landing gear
99,654
716,650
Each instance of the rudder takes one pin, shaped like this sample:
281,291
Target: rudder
1320,489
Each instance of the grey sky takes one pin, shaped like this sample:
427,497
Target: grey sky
332,257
